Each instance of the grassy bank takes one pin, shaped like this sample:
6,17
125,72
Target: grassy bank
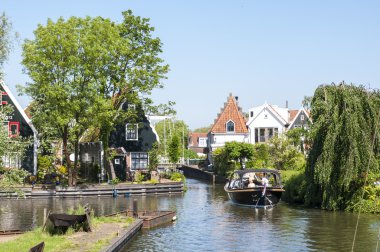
105,229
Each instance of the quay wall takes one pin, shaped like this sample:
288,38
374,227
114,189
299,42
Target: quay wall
99,190
194,172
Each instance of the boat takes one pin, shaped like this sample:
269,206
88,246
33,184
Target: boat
260,188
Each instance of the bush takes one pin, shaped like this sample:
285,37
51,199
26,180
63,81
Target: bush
177,177
295,186
115,181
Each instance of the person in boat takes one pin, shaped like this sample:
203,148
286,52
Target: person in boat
264,180
251,183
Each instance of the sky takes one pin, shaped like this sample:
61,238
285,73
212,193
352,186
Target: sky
261,51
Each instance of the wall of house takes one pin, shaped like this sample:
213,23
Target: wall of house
301,123
264,119
218,140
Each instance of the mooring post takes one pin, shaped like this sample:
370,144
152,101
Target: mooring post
45,213
135,210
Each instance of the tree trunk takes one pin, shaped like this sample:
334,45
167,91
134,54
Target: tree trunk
112,169
76,152
67,156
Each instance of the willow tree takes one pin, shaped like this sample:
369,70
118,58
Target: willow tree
83,69
345,125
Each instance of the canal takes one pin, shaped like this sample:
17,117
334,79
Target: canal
208,221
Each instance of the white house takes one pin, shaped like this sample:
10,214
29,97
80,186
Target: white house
265,121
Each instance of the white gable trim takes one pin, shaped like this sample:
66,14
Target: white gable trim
28,121
272,112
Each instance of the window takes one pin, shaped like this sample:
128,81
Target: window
251,114
14,129
139,160
131,106
117,161
302,117
230,126
202,142
265,116
131,132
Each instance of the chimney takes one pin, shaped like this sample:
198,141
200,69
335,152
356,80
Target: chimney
237,98
286,104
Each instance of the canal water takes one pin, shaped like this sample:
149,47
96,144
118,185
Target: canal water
208,221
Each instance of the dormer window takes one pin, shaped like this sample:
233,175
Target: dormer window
131,132
230,126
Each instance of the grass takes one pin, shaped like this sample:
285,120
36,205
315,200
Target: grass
32,238
58,243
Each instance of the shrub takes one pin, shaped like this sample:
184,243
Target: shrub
295,186
177,177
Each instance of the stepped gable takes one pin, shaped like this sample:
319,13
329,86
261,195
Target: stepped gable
233,112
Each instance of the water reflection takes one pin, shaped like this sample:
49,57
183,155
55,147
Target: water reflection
208,221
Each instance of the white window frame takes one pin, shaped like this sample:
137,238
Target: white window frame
140,158
132,106
230,121
302,117
117,161
136,125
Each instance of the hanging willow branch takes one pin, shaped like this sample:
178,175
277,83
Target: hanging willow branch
344,123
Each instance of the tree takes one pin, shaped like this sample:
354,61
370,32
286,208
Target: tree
166,129
203,129
84,69
239,151
344,152
5,39
284,155
174,149
306,102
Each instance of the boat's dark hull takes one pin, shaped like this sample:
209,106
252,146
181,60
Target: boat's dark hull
254,196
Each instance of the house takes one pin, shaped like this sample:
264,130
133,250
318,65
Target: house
230,125
299,118
18,124
198,143
266,121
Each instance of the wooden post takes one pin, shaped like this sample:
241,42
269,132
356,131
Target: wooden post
135,209
45,219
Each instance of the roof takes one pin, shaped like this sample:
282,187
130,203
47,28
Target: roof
281,114
193,138
292,118
242,172
292,114
230,112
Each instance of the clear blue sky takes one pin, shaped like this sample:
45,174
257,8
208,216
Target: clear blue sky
259,50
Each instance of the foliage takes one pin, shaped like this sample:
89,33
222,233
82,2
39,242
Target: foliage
139,177
168,128
295,186
260,157
6,38
284,155
153,157
294,136
83,69
345,122
174,149
44,166
222,163
202,129
190,154
177,177
115,181
239,151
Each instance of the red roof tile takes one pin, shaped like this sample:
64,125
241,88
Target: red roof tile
231,111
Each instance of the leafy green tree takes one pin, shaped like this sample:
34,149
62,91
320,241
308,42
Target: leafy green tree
166,129
84,69
202,129
174,149
344,150
153,157
260,156
284,155
5,39
190,154
239,151
222,162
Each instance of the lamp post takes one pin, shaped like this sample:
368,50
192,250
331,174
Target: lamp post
302,143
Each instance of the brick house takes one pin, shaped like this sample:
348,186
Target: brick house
230,125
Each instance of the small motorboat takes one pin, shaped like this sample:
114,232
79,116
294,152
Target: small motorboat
255,187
